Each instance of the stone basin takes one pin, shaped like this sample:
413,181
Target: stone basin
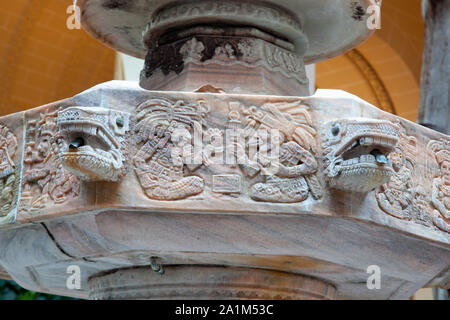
257,47
330,27
328,235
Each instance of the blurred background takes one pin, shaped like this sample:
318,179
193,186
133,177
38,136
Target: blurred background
41,61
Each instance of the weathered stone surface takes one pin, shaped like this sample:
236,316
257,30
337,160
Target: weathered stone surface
10,165
46,184
435,81
315,145
233,195
250,47
246,65
290,218
331,26
203,282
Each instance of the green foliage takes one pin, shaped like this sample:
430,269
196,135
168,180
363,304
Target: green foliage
10,290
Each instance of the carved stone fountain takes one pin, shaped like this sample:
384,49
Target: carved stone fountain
221,177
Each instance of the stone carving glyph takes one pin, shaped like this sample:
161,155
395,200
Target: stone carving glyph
8,174
163,126
440,198
45,181
294,176
356,153
405,195
164,134
396,196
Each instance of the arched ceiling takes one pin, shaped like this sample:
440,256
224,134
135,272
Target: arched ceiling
393,57
403,29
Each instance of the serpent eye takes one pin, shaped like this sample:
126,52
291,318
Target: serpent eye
335,130
120,122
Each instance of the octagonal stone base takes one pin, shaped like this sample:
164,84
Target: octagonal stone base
223,214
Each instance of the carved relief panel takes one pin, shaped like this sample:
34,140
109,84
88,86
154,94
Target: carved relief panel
291,177
45,182
418,188
440,195
228,153
264,153
163,129
396,196
10,153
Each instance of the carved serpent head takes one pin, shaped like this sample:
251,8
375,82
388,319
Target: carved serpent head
356,153
92,141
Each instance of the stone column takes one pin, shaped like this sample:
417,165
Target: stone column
435,81
225,46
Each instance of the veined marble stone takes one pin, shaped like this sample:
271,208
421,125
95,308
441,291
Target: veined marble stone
128,174
249,47
225,180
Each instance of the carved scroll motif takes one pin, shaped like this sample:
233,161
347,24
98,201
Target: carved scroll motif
440,198
45,182
8,174
162,128
294,177
219,8
231,51
397,196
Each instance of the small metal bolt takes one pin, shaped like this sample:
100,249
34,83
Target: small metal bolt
158,268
